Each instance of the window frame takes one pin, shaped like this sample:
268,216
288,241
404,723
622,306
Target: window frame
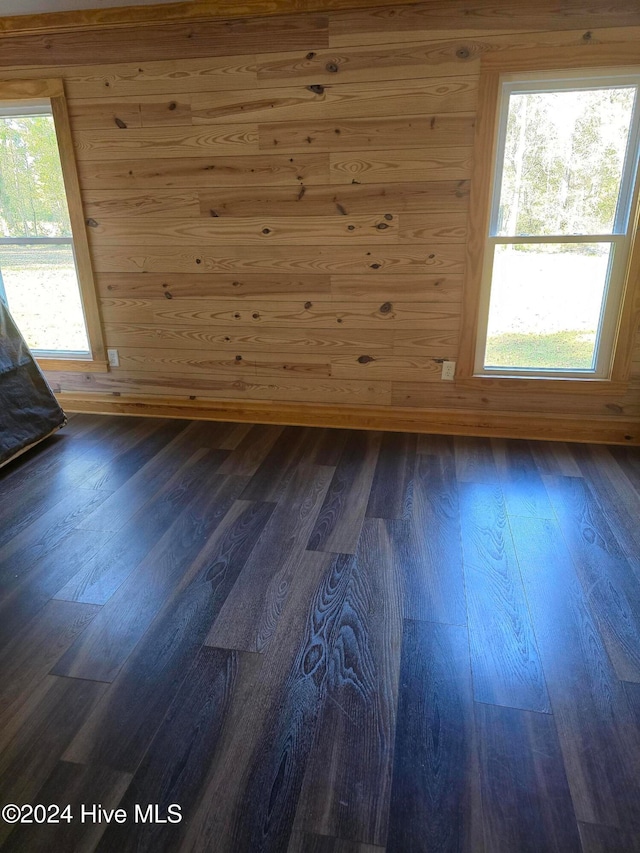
592,58
22,92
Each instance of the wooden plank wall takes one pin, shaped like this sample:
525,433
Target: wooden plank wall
277,208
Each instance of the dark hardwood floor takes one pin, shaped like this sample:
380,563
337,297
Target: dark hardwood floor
319,641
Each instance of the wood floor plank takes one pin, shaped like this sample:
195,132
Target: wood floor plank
628,460
44,535
27,658
39,482
233,435
120,731
250,615
427,547
145,483
474,460
616,496
250,452
331,738
612,589
270,480
307,842
143,444
340,520
435,796
554,457
105,571
331,447
271,722
504,656
65,459
45,577
523,489
607,839
101,651
440,445
633,695
76,786
526,801
347,787
599,740
393,479
33,741
180,755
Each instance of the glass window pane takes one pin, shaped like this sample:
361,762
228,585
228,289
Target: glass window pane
546,303
32,195
42,292
563,160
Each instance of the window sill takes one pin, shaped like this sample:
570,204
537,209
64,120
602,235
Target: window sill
73,365
571,384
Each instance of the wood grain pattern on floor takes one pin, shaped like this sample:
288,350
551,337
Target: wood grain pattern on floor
320,641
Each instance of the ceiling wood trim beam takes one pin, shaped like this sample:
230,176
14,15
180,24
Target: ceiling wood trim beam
186,11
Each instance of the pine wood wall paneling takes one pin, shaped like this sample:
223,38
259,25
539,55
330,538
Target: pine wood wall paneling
380,228
241,339
395,14
412,196
299,314
167,41
234,183
239,71
459,18
103,204
217,286
369,260
416,96
216,171
282,388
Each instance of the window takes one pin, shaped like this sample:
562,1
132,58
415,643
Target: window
45,274
553,259
559,228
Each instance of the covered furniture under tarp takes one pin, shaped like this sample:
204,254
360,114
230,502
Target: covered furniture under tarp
28,410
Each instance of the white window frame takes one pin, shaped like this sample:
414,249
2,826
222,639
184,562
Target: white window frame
34,108
621,238
17,97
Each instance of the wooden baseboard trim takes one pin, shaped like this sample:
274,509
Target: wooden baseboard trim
598,430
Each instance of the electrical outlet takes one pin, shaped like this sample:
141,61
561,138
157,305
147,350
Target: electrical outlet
114,358
448,370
